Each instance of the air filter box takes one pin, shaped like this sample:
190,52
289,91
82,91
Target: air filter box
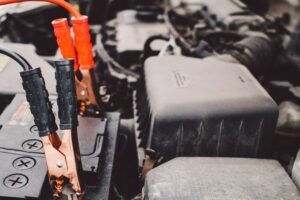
203,107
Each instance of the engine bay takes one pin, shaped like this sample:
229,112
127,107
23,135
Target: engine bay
152,100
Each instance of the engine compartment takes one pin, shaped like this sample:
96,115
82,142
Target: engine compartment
214,82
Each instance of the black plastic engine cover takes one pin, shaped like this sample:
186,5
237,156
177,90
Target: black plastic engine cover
208,107
131,35
219,179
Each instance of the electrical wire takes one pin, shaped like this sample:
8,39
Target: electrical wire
22,58
173,30
71,9
18,58
147,52
100,50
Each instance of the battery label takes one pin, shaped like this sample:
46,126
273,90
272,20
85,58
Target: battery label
22,116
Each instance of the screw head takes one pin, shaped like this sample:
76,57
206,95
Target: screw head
15,181
23,163
32,145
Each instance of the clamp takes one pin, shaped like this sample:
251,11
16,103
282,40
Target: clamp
79,49
62,154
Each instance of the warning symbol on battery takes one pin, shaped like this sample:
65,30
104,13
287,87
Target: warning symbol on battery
22,116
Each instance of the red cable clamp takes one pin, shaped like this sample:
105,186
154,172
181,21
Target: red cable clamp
83,42
64,40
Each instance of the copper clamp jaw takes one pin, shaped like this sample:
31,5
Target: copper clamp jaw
84,87
63,161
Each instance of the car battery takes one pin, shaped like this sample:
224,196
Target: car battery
10,80
23,169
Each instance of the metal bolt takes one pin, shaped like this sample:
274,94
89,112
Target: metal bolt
15,181
82,93
59,164
23,163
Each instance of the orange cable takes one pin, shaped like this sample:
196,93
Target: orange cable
71,9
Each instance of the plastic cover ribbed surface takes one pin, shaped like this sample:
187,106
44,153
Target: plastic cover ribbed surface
219,179
206,107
